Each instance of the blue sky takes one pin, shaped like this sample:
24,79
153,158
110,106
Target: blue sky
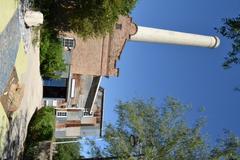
191,74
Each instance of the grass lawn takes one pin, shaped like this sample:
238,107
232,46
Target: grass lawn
7,10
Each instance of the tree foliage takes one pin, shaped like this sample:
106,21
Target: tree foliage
40,128
68,151
231,30
228,147
162,133
51,55
88,18
42,125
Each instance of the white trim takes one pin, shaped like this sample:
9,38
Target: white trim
73,82
51,102
87,116
68,38
62,109
54,103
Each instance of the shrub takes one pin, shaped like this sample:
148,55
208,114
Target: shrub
40,128
51,54
69,151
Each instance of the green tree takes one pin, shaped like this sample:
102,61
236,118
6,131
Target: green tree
51,55
42,125
162,133
228,148
68,151
40,128
231,30
88,18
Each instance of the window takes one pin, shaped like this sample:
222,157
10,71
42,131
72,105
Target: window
118,26
68,43
87,113
61,114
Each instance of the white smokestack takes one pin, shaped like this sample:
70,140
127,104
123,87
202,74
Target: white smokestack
153,35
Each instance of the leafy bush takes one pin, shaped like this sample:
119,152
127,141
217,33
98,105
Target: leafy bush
42,125
68,151
31,152
51,54
41,128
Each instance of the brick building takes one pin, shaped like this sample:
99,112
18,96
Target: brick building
90,59
77,96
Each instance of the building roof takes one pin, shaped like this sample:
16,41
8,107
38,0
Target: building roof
92,93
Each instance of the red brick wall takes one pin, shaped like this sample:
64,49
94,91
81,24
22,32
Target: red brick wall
97,56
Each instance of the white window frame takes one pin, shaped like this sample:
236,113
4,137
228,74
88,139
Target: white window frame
68,39
58,114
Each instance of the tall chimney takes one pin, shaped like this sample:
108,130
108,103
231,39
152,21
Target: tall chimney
153,35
